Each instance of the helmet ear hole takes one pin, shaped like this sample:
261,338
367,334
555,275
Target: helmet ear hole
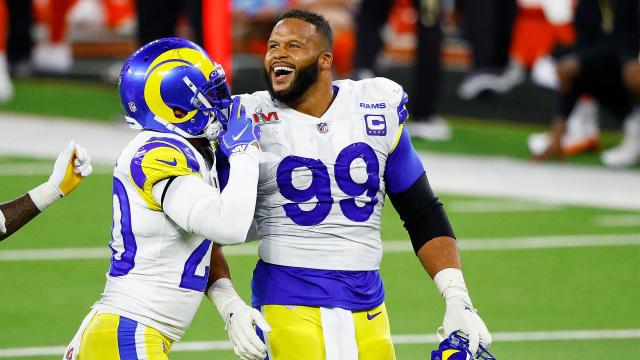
179,113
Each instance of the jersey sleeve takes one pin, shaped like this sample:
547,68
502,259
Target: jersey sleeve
158,159
403,165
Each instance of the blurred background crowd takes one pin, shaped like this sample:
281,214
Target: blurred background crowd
573,65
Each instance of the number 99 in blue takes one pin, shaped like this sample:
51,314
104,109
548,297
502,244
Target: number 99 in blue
320,186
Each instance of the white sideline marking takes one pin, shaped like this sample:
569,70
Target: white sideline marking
553,183
409,339
618,220
390,246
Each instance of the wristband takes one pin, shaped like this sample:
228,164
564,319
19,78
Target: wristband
450,282
222,293
45,195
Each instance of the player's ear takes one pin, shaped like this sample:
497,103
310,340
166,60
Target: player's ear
325,61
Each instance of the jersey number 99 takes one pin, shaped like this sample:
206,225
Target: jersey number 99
320,186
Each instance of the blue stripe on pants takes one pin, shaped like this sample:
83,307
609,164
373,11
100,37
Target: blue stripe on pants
127,339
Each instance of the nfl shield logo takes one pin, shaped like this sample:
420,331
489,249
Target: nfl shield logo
323,128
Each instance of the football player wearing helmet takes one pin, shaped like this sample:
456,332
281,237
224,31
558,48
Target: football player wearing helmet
332,152
168,209
70,168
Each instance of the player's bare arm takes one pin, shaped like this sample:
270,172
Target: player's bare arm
434,243
16,213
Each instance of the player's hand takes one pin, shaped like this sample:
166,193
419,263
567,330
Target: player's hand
460,315
241,131
240,323
71,166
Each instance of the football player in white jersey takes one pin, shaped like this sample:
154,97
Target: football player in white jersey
70,168
168,209
332,151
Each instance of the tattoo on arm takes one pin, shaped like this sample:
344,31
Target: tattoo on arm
17,213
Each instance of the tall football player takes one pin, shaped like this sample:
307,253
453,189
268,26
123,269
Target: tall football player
168,209
70,168
332,151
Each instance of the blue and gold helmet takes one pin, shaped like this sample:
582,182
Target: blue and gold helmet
456,347
172,85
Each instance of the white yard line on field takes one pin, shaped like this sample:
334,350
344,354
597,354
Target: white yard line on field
497,206
44,169
408,339
618,220
390,246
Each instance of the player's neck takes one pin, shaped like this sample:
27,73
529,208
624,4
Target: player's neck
198,142
317,100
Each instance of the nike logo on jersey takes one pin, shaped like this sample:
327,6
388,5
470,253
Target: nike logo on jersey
371,316
170,163
236,137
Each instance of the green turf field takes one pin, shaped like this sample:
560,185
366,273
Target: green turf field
515,290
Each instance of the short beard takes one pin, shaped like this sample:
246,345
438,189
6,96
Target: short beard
305,78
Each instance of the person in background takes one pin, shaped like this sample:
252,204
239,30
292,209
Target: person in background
540,27
372,15
487,25
6,86
605,63
158,19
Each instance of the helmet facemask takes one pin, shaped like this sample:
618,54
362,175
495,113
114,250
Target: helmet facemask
212,98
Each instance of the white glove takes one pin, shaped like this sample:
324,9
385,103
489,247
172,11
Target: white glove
71,166
459,313
3,229
239,320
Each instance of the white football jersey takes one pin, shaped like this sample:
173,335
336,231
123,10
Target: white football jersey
321,207
158,270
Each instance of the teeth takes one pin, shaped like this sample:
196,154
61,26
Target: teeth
283,68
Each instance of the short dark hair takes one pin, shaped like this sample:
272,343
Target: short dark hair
322,25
